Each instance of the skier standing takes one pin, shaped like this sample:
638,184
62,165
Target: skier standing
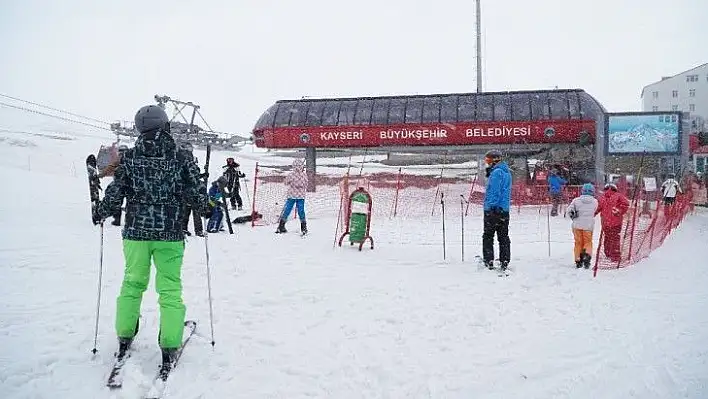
156,179
669,189
612,206
233,175
582,211
555,190
497,202
297,186
215,211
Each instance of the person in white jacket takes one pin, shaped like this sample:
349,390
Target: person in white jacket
669,189
582,211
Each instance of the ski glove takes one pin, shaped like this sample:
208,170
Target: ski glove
572,214
95,217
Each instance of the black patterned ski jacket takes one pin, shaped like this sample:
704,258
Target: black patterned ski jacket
157,180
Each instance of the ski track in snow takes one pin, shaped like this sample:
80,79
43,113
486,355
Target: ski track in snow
297,318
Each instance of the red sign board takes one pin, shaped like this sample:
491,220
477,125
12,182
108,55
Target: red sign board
441,134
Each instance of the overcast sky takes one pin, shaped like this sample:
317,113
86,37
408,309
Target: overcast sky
235,58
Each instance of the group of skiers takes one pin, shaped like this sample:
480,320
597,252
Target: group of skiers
611,206
161,184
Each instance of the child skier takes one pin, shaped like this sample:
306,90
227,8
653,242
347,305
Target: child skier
612,207
297,186
216,213
582,211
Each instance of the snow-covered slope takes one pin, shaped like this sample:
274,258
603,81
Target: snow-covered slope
298,318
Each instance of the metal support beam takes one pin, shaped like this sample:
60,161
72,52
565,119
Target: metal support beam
311,168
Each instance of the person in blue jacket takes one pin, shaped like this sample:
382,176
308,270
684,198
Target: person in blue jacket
555,190
497,202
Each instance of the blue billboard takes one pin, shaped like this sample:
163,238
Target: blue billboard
631,133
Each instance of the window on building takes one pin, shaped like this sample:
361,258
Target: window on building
414,110
299,113
691,78
655,94
674,107
363,112
559,105
466,108
502,107
380,112
431,109
347,112
692,92
692,107
448,109
282,117
655,108
674,93
485,107
521,107
330,113
539,106
314,114
397,110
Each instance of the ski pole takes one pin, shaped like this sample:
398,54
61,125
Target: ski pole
98,300
442,202
462,220
248,196
211,311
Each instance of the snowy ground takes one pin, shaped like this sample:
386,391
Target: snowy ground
297,318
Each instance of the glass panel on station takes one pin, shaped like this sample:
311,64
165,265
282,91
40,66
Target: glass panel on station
539,106
466,108
299,113
314,113
396,111
414,110
346,112
431,109
448,109
380,113
266,120
331,110
502,107
559,105
520,107
282,116
363,112
485,107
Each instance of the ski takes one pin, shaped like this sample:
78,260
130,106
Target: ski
115,378
159,383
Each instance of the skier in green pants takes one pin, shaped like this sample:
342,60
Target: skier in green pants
156,179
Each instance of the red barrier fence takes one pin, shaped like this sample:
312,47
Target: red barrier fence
416,193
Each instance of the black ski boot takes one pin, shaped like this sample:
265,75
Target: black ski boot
281,227
489,264
123,347
504,265
586,261
579,263
168,361
303,228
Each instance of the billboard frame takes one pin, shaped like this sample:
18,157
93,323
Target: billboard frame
606,141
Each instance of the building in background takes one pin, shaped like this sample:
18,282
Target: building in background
687,92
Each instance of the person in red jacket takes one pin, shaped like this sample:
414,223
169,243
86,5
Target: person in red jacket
612,207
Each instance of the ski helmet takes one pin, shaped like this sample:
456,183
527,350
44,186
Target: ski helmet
587,189
492,156
151,118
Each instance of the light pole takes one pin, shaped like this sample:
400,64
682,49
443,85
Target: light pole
479,45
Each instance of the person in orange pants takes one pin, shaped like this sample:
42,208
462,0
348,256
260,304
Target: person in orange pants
582,211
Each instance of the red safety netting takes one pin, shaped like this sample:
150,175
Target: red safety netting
416,193
645,226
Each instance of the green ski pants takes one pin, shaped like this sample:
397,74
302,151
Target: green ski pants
167,256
